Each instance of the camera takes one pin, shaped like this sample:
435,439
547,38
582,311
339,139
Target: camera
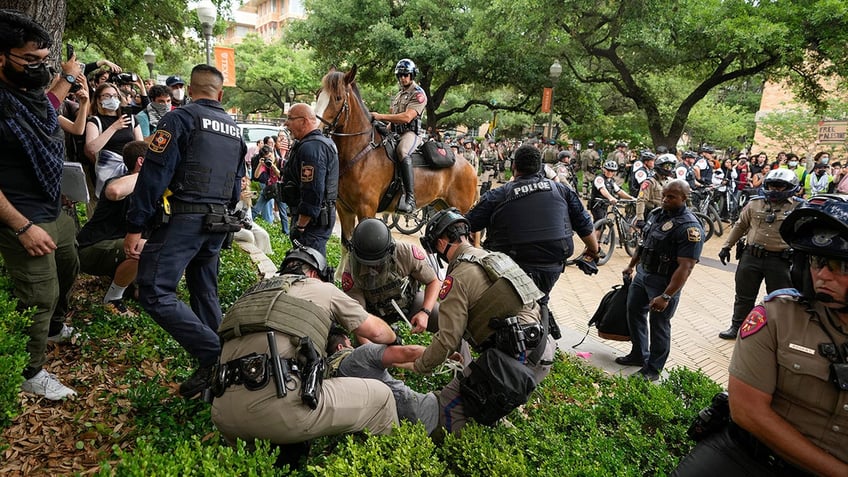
711,419
267,162
123,78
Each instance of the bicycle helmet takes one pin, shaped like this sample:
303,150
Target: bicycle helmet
448,222
690,155
647,156
372,243
406,66
664,165
708,149
783,178
611,166
308,255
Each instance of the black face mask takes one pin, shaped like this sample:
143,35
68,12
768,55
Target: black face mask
29,78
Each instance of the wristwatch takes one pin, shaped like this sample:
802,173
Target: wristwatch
665,296
71,79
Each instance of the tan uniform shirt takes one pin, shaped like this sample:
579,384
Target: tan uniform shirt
783,359
650,196
752,221
411,262
411,97
462,288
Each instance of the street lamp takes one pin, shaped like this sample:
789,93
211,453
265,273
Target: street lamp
291,96
207,13
554,73
150,59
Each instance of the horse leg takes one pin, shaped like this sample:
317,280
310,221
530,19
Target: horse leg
346,219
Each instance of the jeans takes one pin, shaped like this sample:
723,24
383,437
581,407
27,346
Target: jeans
283,209
264,207
644,288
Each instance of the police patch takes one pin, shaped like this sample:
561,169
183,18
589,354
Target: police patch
754,322
347,281
645,185
417,253
421,98
693,234
307,173
446,287
160,141
667,226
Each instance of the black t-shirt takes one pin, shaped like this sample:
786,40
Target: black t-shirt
118,140
19,182
108,222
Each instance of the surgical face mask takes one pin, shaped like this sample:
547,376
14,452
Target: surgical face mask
178,93
824,160
793,163
111,104
29,78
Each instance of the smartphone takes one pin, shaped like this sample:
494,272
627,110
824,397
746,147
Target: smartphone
69,49
128,110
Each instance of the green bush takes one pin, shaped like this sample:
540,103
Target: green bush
13,354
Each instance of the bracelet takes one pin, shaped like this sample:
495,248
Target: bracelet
23,229
426,311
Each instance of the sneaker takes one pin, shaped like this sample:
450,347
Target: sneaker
47,385
117,307
66,335
629,360
197,382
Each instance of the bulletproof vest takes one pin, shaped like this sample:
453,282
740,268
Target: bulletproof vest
609,184
207,172
267,306
518,219
380,285
331,182
659,255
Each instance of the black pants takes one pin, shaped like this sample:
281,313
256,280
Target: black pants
750,274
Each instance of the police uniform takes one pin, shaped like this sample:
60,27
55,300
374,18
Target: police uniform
589,163
706,175
685,172
640,175
313,167
488,165
666,237
779,353
197,154
599,210
766,255
399,279
410,97
295,306
650,195
539,243
470,298
471,157
565,174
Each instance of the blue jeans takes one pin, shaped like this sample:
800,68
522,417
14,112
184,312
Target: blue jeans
644,288
264,207
283,209
177,247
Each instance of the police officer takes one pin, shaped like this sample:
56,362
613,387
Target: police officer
671,246
704,165
643,169
301,302
766,256
787,389
481,290
565,173
650,191
405,117
539,243
311,180
549,152
488,167
686,170
384,276
589,160
196,155
605,187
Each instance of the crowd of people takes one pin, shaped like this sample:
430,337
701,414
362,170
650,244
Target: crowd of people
282,365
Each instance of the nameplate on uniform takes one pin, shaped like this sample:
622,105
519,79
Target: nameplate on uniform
802,349
209,124
527,189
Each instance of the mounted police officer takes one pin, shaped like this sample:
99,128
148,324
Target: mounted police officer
195,161
405,117
650,191
788,389
269,386
488,301
671,246
385,276
766,255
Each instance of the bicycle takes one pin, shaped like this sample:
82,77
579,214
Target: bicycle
409,223
620,223
703,201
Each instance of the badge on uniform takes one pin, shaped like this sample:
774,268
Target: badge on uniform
417,253
347,281
754,322
307,173
160,141
446,287
693,234
667,226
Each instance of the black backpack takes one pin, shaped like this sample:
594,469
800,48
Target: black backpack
611,316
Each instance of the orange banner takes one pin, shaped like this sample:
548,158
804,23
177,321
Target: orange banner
225,60
547,96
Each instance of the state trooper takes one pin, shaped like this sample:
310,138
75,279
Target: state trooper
766,256
589,161
405,117
487,300
488,167
195,161
565,173
385,276
269,385
650,191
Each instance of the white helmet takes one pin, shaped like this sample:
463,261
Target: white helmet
784,178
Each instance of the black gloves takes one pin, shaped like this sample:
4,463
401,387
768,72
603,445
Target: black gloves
724,255
295,233
587,265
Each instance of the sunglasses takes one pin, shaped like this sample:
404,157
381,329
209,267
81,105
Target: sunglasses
836,265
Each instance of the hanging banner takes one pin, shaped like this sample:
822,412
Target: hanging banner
225,60
547,97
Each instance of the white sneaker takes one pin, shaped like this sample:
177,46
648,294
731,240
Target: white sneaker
47,385
67,335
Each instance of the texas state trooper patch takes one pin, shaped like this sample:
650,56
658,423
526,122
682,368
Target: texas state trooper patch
307,173
754,322
446,287
417,253
693,234
347,281
160,141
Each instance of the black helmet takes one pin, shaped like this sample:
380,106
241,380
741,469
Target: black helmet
372,243
647,155
444,222
563,154
664,165
309,256
406,66
662,150
690,155
708,149
819,227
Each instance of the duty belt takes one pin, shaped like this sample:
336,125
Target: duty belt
253,371
759,251
180,207
762,453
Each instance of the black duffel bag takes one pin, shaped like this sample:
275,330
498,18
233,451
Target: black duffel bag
438,155
498,383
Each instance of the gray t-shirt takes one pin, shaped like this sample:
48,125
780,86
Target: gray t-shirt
366,361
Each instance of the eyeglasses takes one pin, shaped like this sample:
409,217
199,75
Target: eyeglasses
836,265
402,75
290,119
30,63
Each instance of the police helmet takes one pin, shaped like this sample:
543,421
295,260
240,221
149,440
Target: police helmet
611,166
664,165
372,243
690,155
447,222
406,66
819,227
591,144
563,154
708,149
620,144
647,155
662,150
309,256
783,178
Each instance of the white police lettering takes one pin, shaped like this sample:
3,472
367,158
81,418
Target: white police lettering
530,188
220,127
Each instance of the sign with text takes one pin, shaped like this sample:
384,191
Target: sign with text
832,132
225,60
547,97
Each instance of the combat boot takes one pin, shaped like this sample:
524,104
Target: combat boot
730,333
406,204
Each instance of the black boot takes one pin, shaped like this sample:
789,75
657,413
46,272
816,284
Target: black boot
197,382
730,333
406,204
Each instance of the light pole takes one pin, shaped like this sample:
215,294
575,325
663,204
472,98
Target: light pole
150,59
290,97
207,13
554,73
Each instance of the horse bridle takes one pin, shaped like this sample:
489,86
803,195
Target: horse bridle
332,126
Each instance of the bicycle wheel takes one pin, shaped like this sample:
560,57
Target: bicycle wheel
714,215
388,219
706,223
606,240
630,238
411,222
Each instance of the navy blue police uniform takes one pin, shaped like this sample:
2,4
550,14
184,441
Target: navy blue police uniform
197,154
315,163
532,219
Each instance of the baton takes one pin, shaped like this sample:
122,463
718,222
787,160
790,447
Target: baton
276,366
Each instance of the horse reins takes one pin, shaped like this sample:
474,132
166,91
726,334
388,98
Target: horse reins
331,130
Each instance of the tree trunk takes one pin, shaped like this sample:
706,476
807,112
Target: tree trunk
50,14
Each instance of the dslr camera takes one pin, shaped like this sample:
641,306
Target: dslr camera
123,78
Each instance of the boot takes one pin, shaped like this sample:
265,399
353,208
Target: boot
730,333
406,204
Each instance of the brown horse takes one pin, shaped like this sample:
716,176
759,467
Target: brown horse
365,169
